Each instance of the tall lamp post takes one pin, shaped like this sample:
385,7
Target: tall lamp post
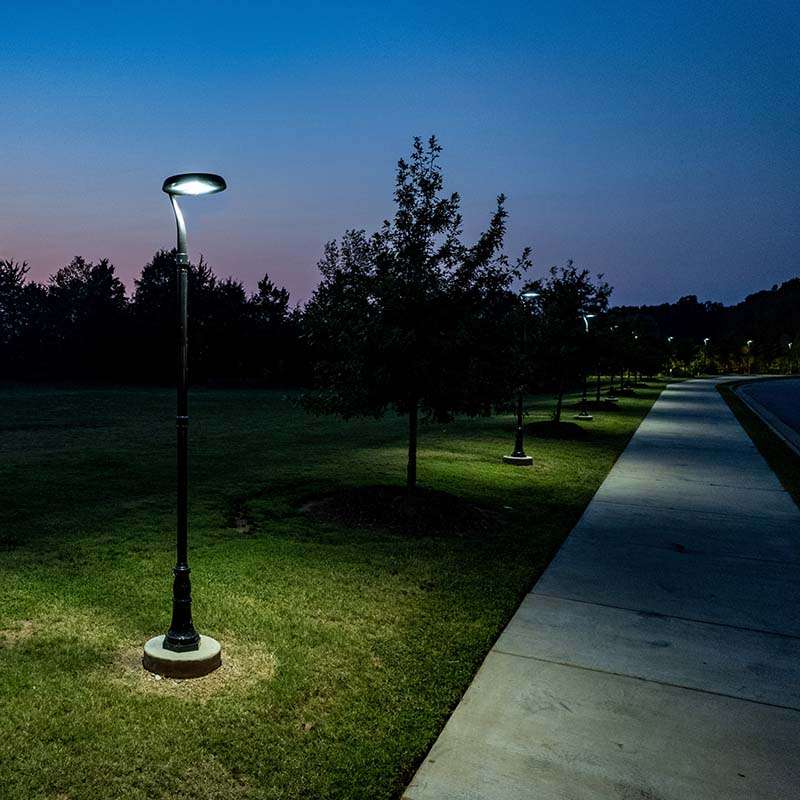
584,414
705,353
749,346
518,458
183,652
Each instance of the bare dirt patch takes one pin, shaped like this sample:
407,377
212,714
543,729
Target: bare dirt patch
59,623
243,666
424,513
18,632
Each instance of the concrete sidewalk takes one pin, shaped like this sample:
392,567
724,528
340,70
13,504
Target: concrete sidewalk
658,657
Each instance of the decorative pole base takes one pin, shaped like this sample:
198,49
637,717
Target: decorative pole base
585,416
518,461
188,664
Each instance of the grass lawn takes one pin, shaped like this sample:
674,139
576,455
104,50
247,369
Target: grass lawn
344,648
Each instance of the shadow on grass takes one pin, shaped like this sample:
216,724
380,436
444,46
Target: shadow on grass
425,512
594,405
550,429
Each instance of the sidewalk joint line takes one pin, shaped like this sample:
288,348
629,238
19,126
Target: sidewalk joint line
648,680
646,613
787,515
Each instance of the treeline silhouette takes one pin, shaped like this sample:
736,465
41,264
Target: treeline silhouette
759,334
80,325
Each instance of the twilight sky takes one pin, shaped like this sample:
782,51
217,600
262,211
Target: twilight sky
656,142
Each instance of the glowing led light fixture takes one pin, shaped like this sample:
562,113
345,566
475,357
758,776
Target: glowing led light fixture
194,184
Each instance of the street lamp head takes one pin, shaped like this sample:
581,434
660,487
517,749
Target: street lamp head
193,184
749,342
529,295
670,338
706,340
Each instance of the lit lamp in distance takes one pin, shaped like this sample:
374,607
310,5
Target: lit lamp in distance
183,652
584,414
518,458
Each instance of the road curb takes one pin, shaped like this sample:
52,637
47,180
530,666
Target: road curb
790,437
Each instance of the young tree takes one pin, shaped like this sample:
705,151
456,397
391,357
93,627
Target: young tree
565,295
412,318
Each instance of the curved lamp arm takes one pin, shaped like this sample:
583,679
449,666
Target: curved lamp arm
182,258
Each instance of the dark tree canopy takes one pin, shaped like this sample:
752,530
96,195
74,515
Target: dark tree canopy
412,318
81,326
562,347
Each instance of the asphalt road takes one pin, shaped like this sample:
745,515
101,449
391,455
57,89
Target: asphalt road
781,397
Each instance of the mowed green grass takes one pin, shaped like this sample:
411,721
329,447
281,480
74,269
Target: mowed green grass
345,649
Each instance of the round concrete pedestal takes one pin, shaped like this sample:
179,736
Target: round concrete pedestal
584,417
518,461
191,664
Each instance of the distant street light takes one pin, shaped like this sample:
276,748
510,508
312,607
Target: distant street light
183,652
518,458
749,344
584,414
668,365
705,353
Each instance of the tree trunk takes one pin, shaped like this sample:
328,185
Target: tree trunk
557,415
411,470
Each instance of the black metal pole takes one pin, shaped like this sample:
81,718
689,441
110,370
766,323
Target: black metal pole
583,396
519,438
181,635
519,441
597,393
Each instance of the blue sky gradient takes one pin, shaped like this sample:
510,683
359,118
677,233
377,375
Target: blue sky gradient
655,142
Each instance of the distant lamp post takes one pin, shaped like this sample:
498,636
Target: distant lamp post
611,394
183,652
748,345
705,353
518,458
584,414
668,365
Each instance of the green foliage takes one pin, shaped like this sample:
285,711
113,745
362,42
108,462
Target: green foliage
561,344
412,318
